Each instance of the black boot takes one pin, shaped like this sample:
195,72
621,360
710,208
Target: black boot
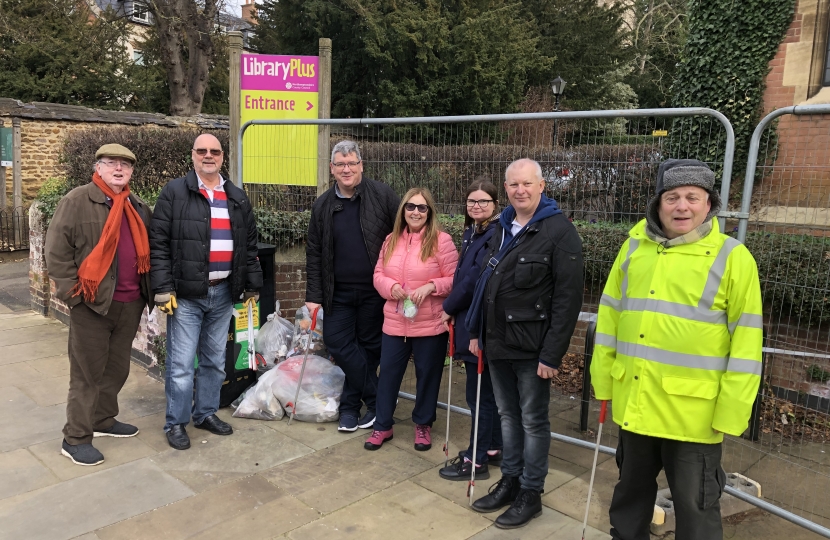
528,505
500,495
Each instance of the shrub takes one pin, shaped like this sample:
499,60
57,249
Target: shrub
49,195
162,154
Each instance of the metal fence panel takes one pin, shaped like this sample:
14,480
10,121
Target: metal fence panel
14,229
786,193
600,166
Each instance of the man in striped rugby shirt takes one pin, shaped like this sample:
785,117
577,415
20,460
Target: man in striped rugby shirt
203,257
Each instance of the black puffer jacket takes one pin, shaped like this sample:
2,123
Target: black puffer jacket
180,241
378,206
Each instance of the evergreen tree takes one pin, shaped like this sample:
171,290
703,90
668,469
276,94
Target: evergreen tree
589,42
54,51
411,57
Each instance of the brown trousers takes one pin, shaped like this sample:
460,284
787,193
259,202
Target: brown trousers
99,363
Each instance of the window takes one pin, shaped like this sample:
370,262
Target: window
141,13
138,57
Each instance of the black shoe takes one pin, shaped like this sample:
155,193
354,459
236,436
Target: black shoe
348,423
118,429
491,458
500,495
367,420
215,426
528,505
177,438
82,454
459,470
496,457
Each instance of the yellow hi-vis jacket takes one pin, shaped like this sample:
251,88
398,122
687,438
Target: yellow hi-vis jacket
679,336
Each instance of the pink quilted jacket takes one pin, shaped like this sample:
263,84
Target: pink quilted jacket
406,269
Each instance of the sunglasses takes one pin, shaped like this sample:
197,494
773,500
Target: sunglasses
410,207
203,151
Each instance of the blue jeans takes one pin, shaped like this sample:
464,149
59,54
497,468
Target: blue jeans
523,399
429,352
352,337
489,423
198,326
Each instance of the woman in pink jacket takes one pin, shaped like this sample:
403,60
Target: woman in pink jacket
415,269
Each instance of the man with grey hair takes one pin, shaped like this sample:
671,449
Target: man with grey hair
524,310
349,223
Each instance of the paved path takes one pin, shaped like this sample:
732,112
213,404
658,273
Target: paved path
268,480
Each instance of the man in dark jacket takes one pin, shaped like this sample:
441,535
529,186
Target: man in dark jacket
98,255
349,223
524,310
203,260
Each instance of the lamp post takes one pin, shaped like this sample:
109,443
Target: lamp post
558,86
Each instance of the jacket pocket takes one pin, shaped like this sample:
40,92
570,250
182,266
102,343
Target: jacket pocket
696,388
525,329
617,370
531,270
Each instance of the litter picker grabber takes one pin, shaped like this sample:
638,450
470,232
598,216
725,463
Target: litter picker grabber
305,359
594,467
472,487
251,347
449,393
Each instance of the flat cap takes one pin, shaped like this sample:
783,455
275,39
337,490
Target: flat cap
115,150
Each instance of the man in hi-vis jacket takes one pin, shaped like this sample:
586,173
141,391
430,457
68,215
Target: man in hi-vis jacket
678,352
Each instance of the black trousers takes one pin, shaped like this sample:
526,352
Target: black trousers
695,477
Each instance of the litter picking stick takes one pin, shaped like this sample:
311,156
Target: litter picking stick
472,487
251,346
594,467
305,359
449,392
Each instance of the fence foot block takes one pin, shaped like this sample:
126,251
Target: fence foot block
664,521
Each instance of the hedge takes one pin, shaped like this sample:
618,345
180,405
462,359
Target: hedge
794,269
162,154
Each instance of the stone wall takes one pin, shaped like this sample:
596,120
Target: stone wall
45,126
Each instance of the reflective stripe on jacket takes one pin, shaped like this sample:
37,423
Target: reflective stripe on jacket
679,336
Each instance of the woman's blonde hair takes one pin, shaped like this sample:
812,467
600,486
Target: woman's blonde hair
429,239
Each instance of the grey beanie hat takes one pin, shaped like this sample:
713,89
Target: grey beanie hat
674,173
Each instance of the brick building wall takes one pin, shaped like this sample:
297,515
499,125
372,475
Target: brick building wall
800,176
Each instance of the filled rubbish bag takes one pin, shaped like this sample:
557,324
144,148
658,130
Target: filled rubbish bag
303,334
322,384
259,401
274,339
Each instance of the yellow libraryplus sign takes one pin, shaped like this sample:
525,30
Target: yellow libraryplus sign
659,133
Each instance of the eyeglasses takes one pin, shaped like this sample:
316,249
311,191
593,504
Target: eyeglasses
482,203
126,165
349,164
203,151
410,207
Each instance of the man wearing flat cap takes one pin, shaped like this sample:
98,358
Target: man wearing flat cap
678,353
98,254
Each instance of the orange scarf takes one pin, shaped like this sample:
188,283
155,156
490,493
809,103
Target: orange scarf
97,264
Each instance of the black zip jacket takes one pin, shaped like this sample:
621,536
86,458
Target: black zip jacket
378,206
533,299
180,241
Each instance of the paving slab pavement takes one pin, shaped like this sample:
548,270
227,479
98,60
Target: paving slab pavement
268,480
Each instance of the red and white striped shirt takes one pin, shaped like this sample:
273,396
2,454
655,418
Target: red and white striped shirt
221,240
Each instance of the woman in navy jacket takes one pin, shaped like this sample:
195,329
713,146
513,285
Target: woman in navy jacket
481,218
